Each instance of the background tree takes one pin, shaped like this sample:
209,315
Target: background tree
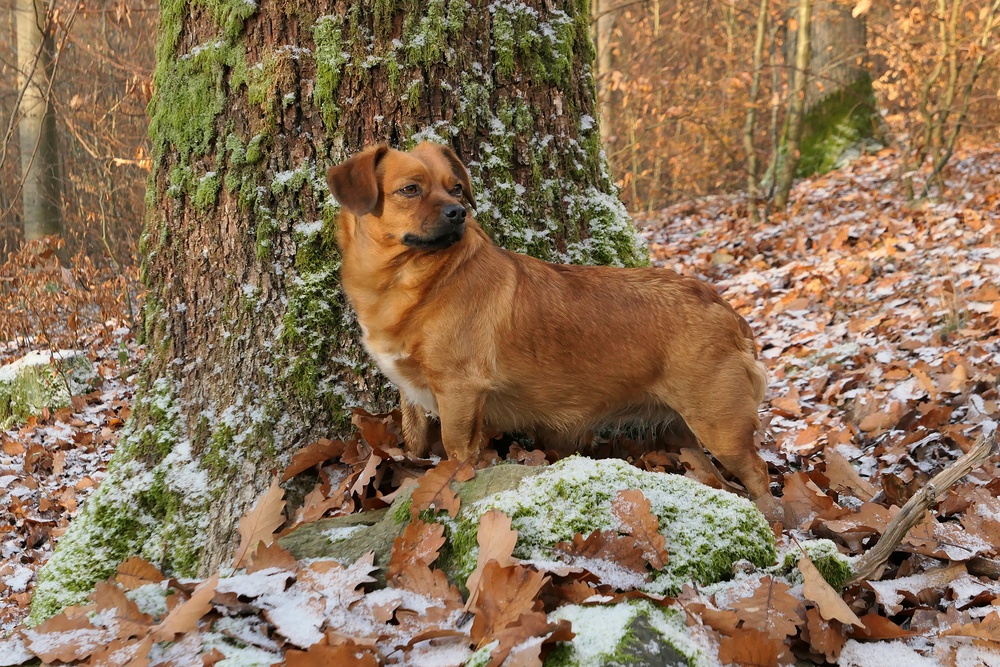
789,154
36,122
840,110
251,350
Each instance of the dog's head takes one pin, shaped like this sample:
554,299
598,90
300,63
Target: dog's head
413,199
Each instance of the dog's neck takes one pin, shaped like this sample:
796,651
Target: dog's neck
395,278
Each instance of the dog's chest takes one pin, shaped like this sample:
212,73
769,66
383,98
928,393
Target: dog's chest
403,373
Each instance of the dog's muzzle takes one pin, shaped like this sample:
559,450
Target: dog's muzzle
447,232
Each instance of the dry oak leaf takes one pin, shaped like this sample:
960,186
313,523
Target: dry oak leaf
506,594
67,636
341,586
844,478
382,432
606,545
185,616
341,655
751,648
119,654
260,523
496,541
271,555
129,620
136,572
634,513
313,454
529,625
891,592
945,540
771,609
434,488
826,637
432,584
418,543
879,627
988,628
817,590
803,500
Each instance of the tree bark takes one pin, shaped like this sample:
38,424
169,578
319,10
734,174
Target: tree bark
790,155
37,124
604,25
252,350
840,102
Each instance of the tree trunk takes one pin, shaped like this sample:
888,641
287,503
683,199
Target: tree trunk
252,351
37,124
790,154
840,103
604,25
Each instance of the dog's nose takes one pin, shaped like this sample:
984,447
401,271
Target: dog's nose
454,214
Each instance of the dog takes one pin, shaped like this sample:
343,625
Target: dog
488,340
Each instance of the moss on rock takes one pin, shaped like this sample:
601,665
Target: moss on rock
833,565
628,634
707,530
42,380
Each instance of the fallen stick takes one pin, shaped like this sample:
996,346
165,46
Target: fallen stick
870,564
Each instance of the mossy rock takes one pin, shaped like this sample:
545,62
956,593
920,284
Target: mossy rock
833,565
707,530
347,538
628,634
42,380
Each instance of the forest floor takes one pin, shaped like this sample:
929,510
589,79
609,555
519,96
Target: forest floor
879,323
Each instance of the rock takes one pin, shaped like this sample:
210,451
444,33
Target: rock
833,565
707,530
627,634
347,538
42,380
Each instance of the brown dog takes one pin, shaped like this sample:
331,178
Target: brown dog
490,340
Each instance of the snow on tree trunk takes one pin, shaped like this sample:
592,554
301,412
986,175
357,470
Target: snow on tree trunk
252,350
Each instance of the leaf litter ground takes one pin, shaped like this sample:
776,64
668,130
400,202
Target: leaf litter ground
879,326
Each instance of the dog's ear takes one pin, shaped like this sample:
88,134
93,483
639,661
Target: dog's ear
460,171
354,183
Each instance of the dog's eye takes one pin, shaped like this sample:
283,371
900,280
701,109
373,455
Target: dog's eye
411,190
457,190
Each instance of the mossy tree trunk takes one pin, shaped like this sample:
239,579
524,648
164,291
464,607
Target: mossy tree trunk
252,351
840,102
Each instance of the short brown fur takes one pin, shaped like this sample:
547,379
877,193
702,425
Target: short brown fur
490,340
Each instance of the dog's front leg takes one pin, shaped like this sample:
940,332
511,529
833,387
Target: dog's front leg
461,413
416,428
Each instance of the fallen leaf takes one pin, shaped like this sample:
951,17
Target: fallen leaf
751,648
817,590
260,523
312,455
988,628
434,488
418,543
826,637
332,656
496,541
507,593
771,609
605,545
636,518
271,555
136,572
185,616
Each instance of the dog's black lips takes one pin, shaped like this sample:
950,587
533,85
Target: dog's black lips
440,242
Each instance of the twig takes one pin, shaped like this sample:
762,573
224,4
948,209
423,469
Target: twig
869,565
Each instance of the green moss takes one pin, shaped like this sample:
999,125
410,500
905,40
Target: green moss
627,633
840,121
206,194
833,565
331,57
37,381
707,530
